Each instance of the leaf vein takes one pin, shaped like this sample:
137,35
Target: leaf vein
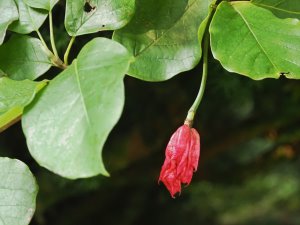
274,7
81,94
168,30
255,37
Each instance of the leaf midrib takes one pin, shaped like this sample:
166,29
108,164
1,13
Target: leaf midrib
81,94
1,219
156,40
255,37
274,7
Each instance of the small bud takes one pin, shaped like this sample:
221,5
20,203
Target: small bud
182,156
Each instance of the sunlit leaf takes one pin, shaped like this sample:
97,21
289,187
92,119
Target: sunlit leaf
282,9
17,93
18,190
83,17
252,41
23,57
69,121
14,96
41,4
9,13
29,19
163,37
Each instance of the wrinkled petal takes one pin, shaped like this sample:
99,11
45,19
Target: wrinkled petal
186,178
182,156
172,183
183,163
195,149
193,158
178,142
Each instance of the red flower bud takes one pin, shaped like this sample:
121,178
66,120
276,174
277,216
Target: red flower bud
182,156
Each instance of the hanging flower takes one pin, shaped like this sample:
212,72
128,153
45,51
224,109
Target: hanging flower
182,156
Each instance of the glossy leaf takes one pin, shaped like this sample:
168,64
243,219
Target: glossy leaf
163,37
67,125
252,41
29,19
14,96
83,17
41,4
282,9
23,57
18,190
9,13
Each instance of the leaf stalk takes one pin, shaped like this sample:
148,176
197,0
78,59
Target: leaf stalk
52,35
66,55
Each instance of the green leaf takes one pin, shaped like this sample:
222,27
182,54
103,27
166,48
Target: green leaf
67,124
205,23
18,190
2,74
9,13
252,41
83,17
17,93
29,19
280,8
14,96
163,37
10,117
41,4
24,57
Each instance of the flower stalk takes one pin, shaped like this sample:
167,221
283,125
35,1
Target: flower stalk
192,111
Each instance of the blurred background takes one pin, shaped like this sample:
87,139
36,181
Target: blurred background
249,171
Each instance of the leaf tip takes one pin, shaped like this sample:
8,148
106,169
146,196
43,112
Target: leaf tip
105,173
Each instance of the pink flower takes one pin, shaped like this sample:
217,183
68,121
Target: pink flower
182,156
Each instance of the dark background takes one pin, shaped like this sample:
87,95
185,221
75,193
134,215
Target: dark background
250,155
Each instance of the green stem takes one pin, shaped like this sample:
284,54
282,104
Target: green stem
42,39
194,107
66,55
52,35
203,32
56,61
46,49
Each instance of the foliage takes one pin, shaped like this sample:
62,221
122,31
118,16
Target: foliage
67,123
264,49
88,98
18,191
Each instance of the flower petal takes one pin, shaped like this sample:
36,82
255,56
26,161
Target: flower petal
195,149
182,156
